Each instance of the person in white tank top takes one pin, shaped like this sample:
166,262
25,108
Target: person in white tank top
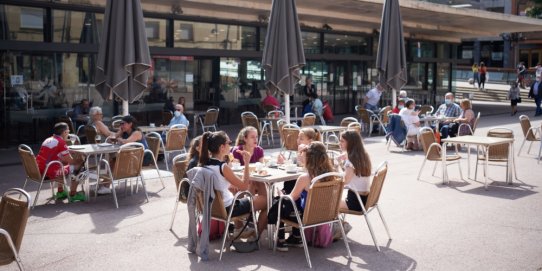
357,169
215,146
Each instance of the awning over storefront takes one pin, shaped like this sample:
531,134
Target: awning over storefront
421,20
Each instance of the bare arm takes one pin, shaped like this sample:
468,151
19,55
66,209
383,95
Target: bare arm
242,184
102,129
134,137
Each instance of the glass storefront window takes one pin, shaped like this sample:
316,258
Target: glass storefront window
421,49
156,32
77,27
263,33
214,36
22,23
345,44
443,50
311,42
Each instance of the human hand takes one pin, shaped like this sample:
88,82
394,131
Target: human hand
246,156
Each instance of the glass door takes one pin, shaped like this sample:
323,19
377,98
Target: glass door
340,84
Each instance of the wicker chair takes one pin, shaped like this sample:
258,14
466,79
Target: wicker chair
530,134
209,120
33,173
90,134
322,207
290,132
346,121
115,125
432,151
175,141
372,201
470,129
277,116
250,119
166,117
154,140
128,165
14,213
497,153
179,166
356,126
309,119
426,110
365,119
384,117
218,212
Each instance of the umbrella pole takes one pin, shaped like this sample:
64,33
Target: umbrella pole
287,107
393,98
125,108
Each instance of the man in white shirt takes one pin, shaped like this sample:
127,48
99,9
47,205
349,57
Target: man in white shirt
371,99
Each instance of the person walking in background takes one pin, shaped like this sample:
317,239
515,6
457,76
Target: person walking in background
536,93
538,69
521,71
514,97
475,75
483,75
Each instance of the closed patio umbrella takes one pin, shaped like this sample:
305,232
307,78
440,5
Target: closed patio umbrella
391,57
123,57
283,54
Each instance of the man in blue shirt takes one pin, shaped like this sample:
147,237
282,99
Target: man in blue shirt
178,118
448,109
536,93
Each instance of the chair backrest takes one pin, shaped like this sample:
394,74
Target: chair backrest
74,136
117,117
29,163
476,122
211,116
289,134
180,164
309,119
427,137
346,121
384,114
116,124
323,198
67,120
268,108
425,109
356,126
14,212
166,117
90,134
129,161
376,185
153,142
363,114
217,208
250,119
526,128
176,137
500,151
278,115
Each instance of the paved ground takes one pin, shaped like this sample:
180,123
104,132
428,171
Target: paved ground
460,226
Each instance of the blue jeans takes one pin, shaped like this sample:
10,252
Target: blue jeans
445,130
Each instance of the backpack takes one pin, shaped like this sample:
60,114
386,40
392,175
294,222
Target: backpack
323,235
216,229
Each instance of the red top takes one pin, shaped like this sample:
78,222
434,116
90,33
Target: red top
53,148
483,70
270,100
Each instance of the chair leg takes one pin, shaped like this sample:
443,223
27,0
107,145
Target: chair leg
344,238
460,171
166,157
175,209
114,194
383,221
521,147
305,248
371,231
421,168
435,168
12,247
530,145
158,171
225,235
143,185
38,194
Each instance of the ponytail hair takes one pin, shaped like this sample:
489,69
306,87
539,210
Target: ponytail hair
210,144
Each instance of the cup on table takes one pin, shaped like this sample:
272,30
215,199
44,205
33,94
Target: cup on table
235,165
98,138
291,168
259,166
152,125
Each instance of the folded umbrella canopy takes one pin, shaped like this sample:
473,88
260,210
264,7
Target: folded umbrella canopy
123,57
391,57
283,54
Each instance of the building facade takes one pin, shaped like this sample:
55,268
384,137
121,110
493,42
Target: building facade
48,51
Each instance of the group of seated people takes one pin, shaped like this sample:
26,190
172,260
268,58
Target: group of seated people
461,113
214,150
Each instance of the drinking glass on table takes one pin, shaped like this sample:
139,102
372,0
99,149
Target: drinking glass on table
72,140
98,138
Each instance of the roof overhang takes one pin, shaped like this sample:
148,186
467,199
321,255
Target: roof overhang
421,20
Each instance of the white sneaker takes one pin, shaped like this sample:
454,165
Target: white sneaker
104,190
